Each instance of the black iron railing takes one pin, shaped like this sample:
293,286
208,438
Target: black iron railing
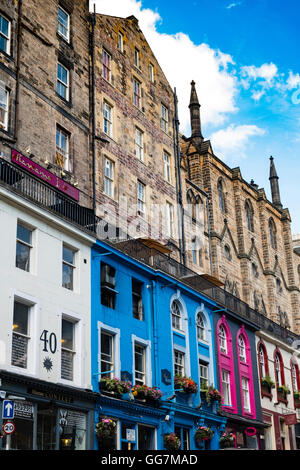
39,192
138,250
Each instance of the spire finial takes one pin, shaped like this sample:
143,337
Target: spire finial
274,185
195,115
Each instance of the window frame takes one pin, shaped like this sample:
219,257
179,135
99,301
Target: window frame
112,347
245,384
66,37
72,266
28,245
202,327
137,57
65,154
106,65
205,366
26,336
139,315
7,39
64,85
141,202
223,340
4,124
139,143
143,372
164,118
121,43
137,93
178,365
167,167
169,219
227,387
109,177
107,118
176,316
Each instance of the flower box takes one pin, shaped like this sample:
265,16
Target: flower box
283,391
114,386
211,395
149,395
185,384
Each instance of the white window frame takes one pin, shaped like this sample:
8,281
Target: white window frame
5,107
139,144
28,245
71,265
107,119
203,366
66,37
201,327
278,371
78,347
169,219
246,395
106,65
33,333
148,368
176,317
137,94
115,332
7,38
65,85
179,354
151,72
226,387
141,198
262,361
121,41
109,177
242,348
167,166
65,153
164,120
222,339
136,57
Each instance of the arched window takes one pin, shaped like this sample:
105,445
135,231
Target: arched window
221,195
242,350
279,373
194,250
201,332
222,339
176,315
272,232
262,364
249,215
294,376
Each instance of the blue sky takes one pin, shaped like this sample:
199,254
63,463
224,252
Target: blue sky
243,55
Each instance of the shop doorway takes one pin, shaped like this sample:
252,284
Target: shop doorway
46,427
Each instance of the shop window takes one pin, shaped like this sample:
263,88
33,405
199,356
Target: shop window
184,435
137,300
108,284
23,247
145,437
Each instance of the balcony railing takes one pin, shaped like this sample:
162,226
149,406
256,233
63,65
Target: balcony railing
39,192
152,257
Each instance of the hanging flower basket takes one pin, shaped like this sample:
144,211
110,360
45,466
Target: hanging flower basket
203,433
150,394
172,442
185,384
227,440
105,428
114,385
211,395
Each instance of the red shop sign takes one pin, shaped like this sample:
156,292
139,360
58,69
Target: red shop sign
290,419
250,431
43,174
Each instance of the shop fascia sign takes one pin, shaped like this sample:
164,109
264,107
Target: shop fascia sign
290,419
44,175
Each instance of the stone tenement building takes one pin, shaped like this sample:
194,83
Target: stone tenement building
251,242
44,86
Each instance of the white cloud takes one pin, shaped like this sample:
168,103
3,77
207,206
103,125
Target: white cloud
232,5
233,140
293,80
216,85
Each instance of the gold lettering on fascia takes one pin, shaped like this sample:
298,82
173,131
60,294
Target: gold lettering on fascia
32,168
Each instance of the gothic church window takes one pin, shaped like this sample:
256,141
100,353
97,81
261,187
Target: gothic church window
249,216
221,195
272,233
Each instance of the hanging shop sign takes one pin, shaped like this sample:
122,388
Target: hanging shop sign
290,419
23,410
251,431
43,174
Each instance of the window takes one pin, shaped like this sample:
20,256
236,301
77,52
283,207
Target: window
272,232
62,148
226,388
4,97
194,251
109,171
201,333
249,216
167,167
203,374
141,198
278,286
106,63
151,72
121,41
139,364
221,195
68,267
107,119
169,219
222,340
67,349
137,301
227,252
255,270
278,371
136,57
176,315
20,335
63,27
242,349
246,397
62,81
23,247
4,35
136,93
139,144
184,435
262,365
164,122
107,354
179,368
108,283
294,377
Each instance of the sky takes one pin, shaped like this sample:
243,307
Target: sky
243,56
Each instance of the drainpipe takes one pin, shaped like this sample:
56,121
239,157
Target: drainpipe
183,255
209,237
19,31
93,23
155,351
